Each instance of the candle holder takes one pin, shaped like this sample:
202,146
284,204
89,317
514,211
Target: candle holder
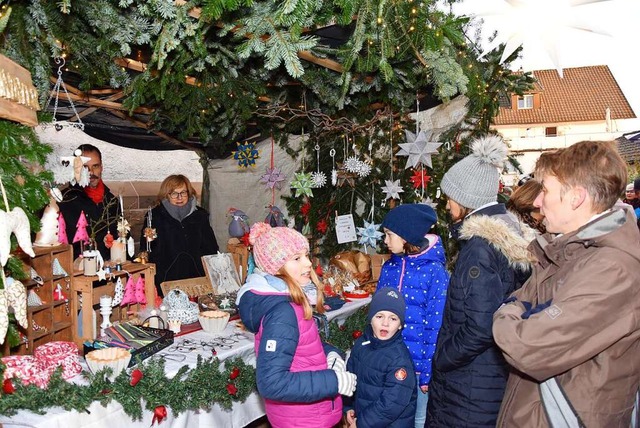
105,311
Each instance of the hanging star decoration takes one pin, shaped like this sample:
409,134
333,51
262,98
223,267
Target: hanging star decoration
246,154
303,184
273,178
369,234
418,149
419,178
319,179
392,189
345,177
538,25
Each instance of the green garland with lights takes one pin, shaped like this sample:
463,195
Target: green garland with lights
201,387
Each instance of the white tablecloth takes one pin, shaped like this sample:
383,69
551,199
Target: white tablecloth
113,415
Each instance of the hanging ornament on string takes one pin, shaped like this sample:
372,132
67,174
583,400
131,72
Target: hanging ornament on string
150,233
246,154
319,178
418,147
273,177
392,188
419,179
303,184
334,171
370,234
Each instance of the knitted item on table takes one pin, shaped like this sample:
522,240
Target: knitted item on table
274,246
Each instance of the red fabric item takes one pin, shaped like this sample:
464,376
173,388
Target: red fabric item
159,413
96,194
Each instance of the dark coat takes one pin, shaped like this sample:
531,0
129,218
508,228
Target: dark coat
75,201
386,393
178,249
469,372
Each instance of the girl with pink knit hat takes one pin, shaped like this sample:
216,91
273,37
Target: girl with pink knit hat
299,377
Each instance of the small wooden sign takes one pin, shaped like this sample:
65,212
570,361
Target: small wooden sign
18,96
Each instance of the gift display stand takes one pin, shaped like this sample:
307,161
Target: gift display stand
86,291
54,319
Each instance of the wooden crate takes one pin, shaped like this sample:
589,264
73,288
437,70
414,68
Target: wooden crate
192,286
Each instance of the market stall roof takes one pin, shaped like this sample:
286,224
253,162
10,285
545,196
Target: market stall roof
104,117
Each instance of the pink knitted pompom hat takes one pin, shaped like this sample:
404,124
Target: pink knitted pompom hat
273,246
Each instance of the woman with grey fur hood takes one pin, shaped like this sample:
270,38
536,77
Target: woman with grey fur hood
469,372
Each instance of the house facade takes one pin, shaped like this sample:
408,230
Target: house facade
585,104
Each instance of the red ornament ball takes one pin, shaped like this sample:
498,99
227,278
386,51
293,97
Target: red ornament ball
234,373
356,334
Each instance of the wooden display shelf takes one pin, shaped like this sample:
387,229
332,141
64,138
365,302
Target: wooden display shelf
52,327
90,288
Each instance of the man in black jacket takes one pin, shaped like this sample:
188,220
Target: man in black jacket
95,200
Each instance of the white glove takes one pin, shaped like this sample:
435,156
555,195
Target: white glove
346,383
334,362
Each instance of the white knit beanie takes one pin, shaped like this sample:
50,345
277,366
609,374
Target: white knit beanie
475,180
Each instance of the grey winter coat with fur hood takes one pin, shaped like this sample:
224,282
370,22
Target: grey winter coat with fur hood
469,372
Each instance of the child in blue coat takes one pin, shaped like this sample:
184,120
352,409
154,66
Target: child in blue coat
417,269
386,391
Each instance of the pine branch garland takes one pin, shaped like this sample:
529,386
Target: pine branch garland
190,389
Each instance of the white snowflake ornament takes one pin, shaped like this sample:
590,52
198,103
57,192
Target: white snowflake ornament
392,189
364,170
319,179
352,164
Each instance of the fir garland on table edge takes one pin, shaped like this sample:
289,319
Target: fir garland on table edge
190,389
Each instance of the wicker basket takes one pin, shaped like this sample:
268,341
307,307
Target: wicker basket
192,286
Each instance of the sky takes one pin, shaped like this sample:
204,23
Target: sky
613,38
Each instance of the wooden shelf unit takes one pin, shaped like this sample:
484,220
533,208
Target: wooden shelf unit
56,319
89,289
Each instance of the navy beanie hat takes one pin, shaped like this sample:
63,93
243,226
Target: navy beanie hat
636,184
387,299
411,222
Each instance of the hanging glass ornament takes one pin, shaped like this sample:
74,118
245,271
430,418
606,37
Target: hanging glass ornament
319,178
334,171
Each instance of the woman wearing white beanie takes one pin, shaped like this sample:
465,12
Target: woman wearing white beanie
468,372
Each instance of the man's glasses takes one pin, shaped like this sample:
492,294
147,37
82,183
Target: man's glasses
176,195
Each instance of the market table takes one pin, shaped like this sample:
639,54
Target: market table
232,342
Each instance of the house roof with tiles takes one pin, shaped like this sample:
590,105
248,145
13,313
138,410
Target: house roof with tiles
629,146
582,95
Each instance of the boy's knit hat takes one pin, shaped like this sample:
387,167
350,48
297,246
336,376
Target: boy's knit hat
475,180
387,299
636,184
273,246
411,222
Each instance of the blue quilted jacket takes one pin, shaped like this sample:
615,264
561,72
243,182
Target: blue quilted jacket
386,393
423,279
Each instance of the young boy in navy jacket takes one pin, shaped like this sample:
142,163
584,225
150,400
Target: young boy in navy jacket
386,391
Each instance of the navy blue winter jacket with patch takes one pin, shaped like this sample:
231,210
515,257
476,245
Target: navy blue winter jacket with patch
386,393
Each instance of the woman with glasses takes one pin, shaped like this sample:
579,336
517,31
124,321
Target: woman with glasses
182,232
